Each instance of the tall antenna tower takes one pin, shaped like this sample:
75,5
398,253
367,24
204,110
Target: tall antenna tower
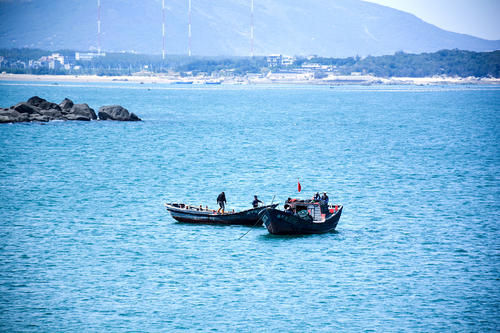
99,27
163,28
251,29
189,27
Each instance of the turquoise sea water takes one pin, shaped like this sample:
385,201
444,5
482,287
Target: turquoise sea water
86,245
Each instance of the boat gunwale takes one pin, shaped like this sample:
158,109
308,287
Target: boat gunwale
295,225
189,211
312,222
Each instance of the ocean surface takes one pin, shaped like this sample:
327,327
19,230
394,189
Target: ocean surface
87,246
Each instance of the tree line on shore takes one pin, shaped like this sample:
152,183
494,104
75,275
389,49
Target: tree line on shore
445,62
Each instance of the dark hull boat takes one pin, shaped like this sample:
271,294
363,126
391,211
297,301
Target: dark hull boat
305,221
183,82
189,214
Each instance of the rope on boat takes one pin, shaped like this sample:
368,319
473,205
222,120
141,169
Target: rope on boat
256,222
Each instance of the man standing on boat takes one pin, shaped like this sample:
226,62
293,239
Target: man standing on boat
324,198
324,203
255,202
221,200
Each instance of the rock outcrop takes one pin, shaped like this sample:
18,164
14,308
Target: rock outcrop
116,112
24,107
43,104
82,110
12,116
39,109
66,105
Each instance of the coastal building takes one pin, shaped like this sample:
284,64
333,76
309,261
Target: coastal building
54,64
289,77
56,57
88,56
311,67
317,67
287,60
274,60
18,65
278,60
53,61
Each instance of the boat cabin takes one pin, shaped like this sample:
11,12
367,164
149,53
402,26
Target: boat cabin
313,210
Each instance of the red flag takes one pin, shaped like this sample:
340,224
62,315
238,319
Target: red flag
298,186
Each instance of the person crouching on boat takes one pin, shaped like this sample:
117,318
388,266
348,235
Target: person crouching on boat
221,201
255,202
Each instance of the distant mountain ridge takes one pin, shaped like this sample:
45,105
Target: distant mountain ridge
333,28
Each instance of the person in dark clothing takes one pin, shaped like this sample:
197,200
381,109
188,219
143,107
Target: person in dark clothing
324,198
221,200
324,203
316,196
255,202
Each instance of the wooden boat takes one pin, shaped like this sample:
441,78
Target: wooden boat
213,82
193,214
302,217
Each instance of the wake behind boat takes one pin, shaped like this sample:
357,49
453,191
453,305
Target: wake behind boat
302,217
193,214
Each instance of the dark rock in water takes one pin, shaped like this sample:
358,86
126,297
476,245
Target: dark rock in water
24,107
52,114
83,110
6,119
43,104
116,112
12,116
49,106
39,109
38,117
35,101
66,105
73,116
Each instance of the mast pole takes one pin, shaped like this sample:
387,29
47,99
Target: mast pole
189,27
99,27
251,29
163,28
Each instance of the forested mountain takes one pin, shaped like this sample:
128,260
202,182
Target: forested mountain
330,28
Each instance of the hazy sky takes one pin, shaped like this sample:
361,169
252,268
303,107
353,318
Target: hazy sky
480,18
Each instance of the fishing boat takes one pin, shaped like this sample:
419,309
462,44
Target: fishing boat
183,82
194,214
213,82
302,217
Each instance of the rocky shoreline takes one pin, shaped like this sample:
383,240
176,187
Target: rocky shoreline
40,110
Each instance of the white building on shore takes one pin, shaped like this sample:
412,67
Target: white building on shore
88,56
278,60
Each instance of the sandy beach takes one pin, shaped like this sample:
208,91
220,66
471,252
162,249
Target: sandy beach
271,78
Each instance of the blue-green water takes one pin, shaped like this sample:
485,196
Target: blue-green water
86,245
